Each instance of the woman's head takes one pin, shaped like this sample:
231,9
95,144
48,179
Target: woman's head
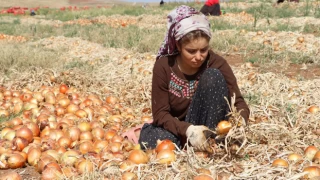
193,49
191,36
184,25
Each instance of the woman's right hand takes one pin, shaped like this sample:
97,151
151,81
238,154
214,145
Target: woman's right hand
197,138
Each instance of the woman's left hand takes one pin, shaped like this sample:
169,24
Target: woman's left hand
198,139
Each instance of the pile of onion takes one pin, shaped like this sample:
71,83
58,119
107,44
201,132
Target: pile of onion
165,151
61,132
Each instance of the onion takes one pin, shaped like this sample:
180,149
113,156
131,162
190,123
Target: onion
166,156
34,156
86,103
7,93
16,100
15,128
36,140
98,133
44,160
115,147
313,109
10,135
25,97
165,144
316,157
63,88
203,177
109,134
87,135
294,157
146,119
17,108
16,161
69,172
111,100
117,138
259,33
51,173
300,39
60,111
38,96
53,165
4,113
50,99
64,141
56,134
69,158
16,121
23,154
64,102
74,133
99,145
84,126
313,171
138,157
85,147
280,163
223,127
85,167
115,118
81,113
11,176
127,165
4,131
129,176
72,108
61,150
53,154
26,133
19,143
127,145
310,151
96,124
34,128
45,132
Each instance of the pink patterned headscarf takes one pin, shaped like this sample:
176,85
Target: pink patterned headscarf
181,21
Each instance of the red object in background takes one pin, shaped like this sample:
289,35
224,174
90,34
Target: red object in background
3,11
10,10
63,8
211,2
19,12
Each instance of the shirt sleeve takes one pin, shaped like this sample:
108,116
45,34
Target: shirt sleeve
161,105
233,88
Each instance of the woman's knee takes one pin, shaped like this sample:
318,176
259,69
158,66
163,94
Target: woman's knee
213,74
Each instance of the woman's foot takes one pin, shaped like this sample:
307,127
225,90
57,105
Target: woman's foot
133,133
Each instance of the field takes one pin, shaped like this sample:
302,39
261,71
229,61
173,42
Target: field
99,58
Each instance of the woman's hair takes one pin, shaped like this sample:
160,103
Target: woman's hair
192,36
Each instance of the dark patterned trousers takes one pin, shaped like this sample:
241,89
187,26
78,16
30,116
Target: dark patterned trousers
208,107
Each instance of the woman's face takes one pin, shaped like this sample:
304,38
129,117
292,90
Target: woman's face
194,53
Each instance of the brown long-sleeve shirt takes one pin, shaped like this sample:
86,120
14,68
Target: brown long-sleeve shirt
170,108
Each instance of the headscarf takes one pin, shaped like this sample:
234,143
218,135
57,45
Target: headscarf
181,21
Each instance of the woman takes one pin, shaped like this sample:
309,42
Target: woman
211,7
189,84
